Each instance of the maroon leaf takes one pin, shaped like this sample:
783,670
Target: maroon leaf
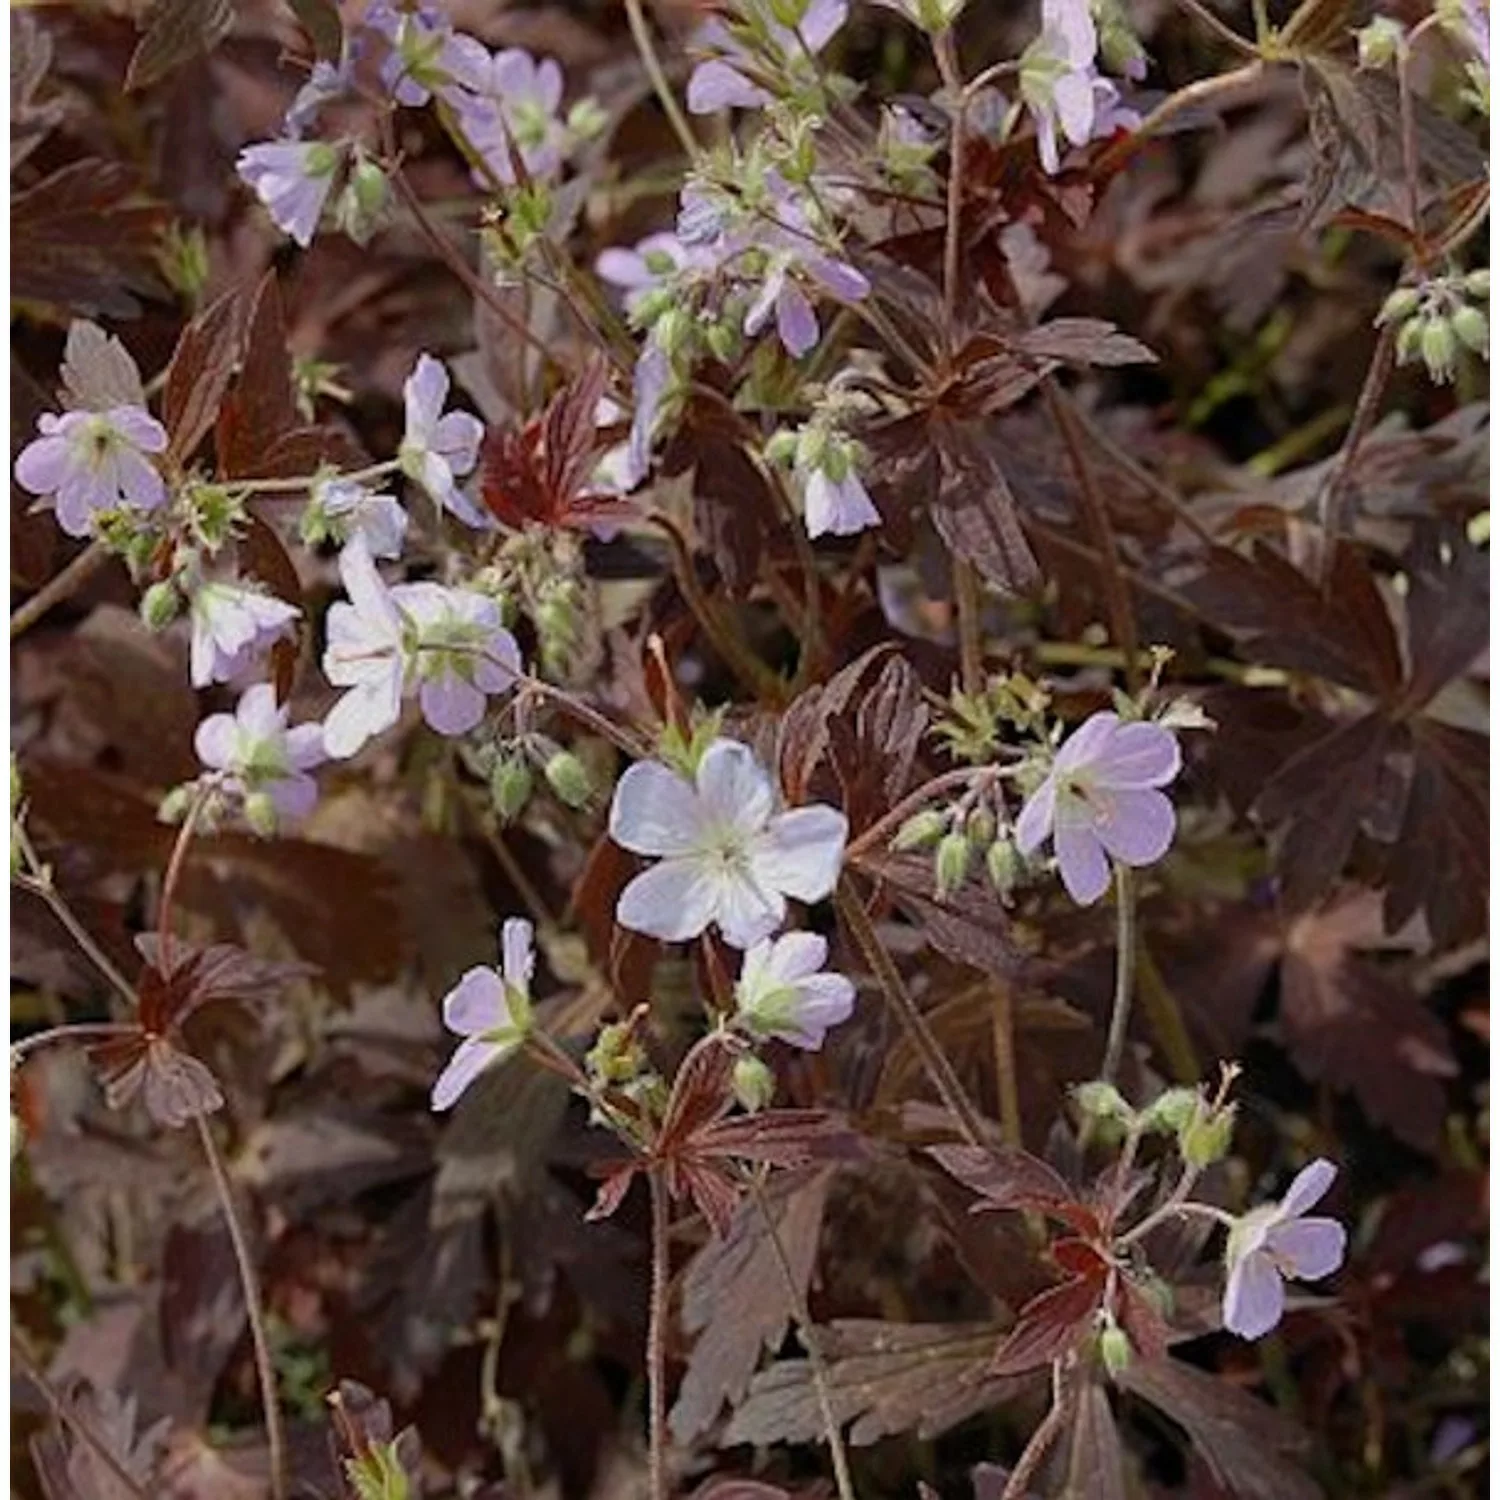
202,366
975,512
1084,341
177,31
174,1087
1050,1325
1006,1177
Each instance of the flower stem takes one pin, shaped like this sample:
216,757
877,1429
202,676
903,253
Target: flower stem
56,589
1007,1081
173,877
1125,944
299,482
811,1340
1039,1445
656,1336
254,1309
1113,157
641,33
970,645
945,55
939,1069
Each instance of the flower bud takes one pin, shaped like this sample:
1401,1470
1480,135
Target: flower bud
1380,42
173,807
980,828
160,605
568,778
362,204
1114,1347
586,120
1477,283
950,865
1399,306
1207,1139
1172,1112
1473,329
724,341
674,329
510,787
920,831
378,1474
782,448
1439,347
788,13
260,814
1409,340
1098,1100
1005,867
753,1082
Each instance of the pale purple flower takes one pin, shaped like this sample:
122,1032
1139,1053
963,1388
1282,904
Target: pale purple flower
439,448
1100,801
88,461
1276,1241
447,646
326,82
649,266
340,508
724,81
426,55
834,499
233,626
510,103
293,180
255,753
653,375
490,1011
727,855
1476,27
783,992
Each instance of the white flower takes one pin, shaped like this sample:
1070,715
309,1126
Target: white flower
439,449
447,645
233,627
292,179
492,1012
783,993
343,507
727,856
257,754
89,461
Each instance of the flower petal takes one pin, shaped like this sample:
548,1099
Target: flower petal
793,956
451,705
476,1003
796,322
1083,746
1253,1297
655,812
1137,826
823,1001
1308,1187
801,852
733,787
517,953
1080,860
1139,755
1310,1247
467,1063
1035,823
213,741
746,910
674,900
715,85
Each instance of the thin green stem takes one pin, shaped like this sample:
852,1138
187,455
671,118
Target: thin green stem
1007,1079
1220,29
970,642
641,33
1125,945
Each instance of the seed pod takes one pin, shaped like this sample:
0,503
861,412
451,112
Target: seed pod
510,787
160,605
753,1082
920,831
950,865
568,778
1473,329
1173,1111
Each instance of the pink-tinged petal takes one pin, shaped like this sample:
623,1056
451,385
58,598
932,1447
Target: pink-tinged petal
1136,826
139,427
747,911
1254,1297
293,797
1308,1187
733,787
1139,755
796,322
656,812
1080,860
457,437
497,669
75,513
1084,745
517,952
466,1064
673,901
759,311
1308,1248
451,705
304,747
794,956
477,1003
43,464
1035,823
213,741
801,852
548,87
366,589
139,483
715,85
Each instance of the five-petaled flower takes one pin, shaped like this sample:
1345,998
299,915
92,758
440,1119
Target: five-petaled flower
1101,800
258,757
233,627
490,1011
727,856
1277,1241
509,103
725,82
783,991
89,461
293,180
438,448
447,645
340,508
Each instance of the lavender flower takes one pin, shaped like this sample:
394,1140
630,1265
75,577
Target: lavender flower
1276,1241
726,81
233,627
437,449
834,499
511,103
446,645
260,760
783,993
649,267
1100,801
727,855
325,83
293,180
339,508
426,55
653,376
492,1012
89,461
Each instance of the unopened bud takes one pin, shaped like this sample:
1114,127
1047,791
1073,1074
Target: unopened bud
753,1082
510,787
1098,1100
1477,283
950,865
160,605
1207,1139
1473,329
568,778
674,329
173,807
1114,1347
782,448
1400,305
1005,867
378,1474
1439,347
260,814
1173,1111
1380,42
789,13
1409,340
723,341
980,828
920,831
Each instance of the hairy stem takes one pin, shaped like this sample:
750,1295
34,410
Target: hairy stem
1007,1080
1038,1447
641,34
945,54
939,1070
56,589
1205,90
173,877
970,643
1125,945
656,1336
265,1371
811,1341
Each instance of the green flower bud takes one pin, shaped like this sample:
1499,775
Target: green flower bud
782,448
1439,349
980,828
1399,306
568,778
653,303
260,814
1380,42
1473,329
510,787
674,329
920,831
950,865
1409,340
362,204
1208,1138
160,605
1172,1112
753,1082
378,1474
616,1056
1005,867
1098,1100
724,342
1477,283
173,807
586,120
1114,1347
789,13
